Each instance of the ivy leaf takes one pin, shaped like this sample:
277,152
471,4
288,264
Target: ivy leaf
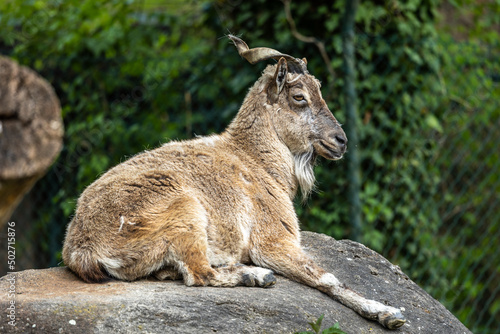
434,123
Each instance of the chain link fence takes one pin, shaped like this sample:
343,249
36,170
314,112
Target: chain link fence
461,241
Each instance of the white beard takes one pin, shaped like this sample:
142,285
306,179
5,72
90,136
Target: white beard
304,172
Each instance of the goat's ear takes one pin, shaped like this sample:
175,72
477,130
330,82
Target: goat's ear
304,60
279,81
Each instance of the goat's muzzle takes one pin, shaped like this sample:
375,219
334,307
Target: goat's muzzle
332,146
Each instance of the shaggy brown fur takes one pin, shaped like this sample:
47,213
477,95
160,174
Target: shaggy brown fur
201,208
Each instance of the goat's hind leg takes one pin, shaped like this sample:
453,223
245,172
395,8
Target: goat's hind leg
227,276
192,263
184,223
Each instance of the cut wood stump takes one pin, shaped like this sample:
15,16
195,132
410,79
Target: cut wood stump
31,132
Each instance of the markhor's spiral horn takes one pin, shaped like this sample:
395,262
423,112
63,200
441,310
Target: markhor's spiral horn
256,55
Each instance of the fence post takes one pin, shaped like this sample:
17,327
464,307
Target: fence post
353,165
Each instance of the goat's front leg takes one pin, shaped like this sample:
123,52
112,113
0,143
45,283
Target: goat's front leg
289,260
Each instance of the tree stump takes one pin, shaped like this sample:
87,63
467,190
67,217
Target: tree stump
31,131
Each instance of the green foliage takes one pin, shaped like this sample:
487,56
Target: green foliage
470,189
480,18
316,327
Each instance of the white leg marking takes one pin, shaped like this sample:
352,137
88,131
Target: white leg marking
187,277
374,307
329,280
260,273
256,276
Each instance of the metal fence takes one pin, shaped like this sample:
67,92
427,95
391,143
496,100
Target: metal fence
463,241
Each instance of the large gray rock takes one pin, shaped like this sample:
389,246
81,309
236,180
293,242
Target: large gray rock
55,301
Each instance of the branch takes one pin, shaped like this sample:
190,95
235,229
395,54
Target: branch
319,44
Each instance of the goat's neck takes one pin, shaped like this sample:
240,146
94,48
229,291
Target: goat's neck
253,133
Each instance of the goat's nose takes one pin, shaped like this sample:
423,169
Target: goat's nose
341,140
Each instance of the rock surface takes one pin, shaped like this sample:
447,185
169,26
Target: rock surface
55,301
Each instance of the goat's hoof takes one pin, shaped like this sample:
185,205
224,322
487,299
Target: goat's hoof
268,280
249,279
261,277
392,320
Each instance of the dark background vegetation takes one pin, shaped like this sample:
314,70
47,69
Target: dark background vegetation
134,74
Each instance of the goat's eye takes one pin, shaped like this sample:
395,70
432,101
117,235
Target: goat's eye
298,98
